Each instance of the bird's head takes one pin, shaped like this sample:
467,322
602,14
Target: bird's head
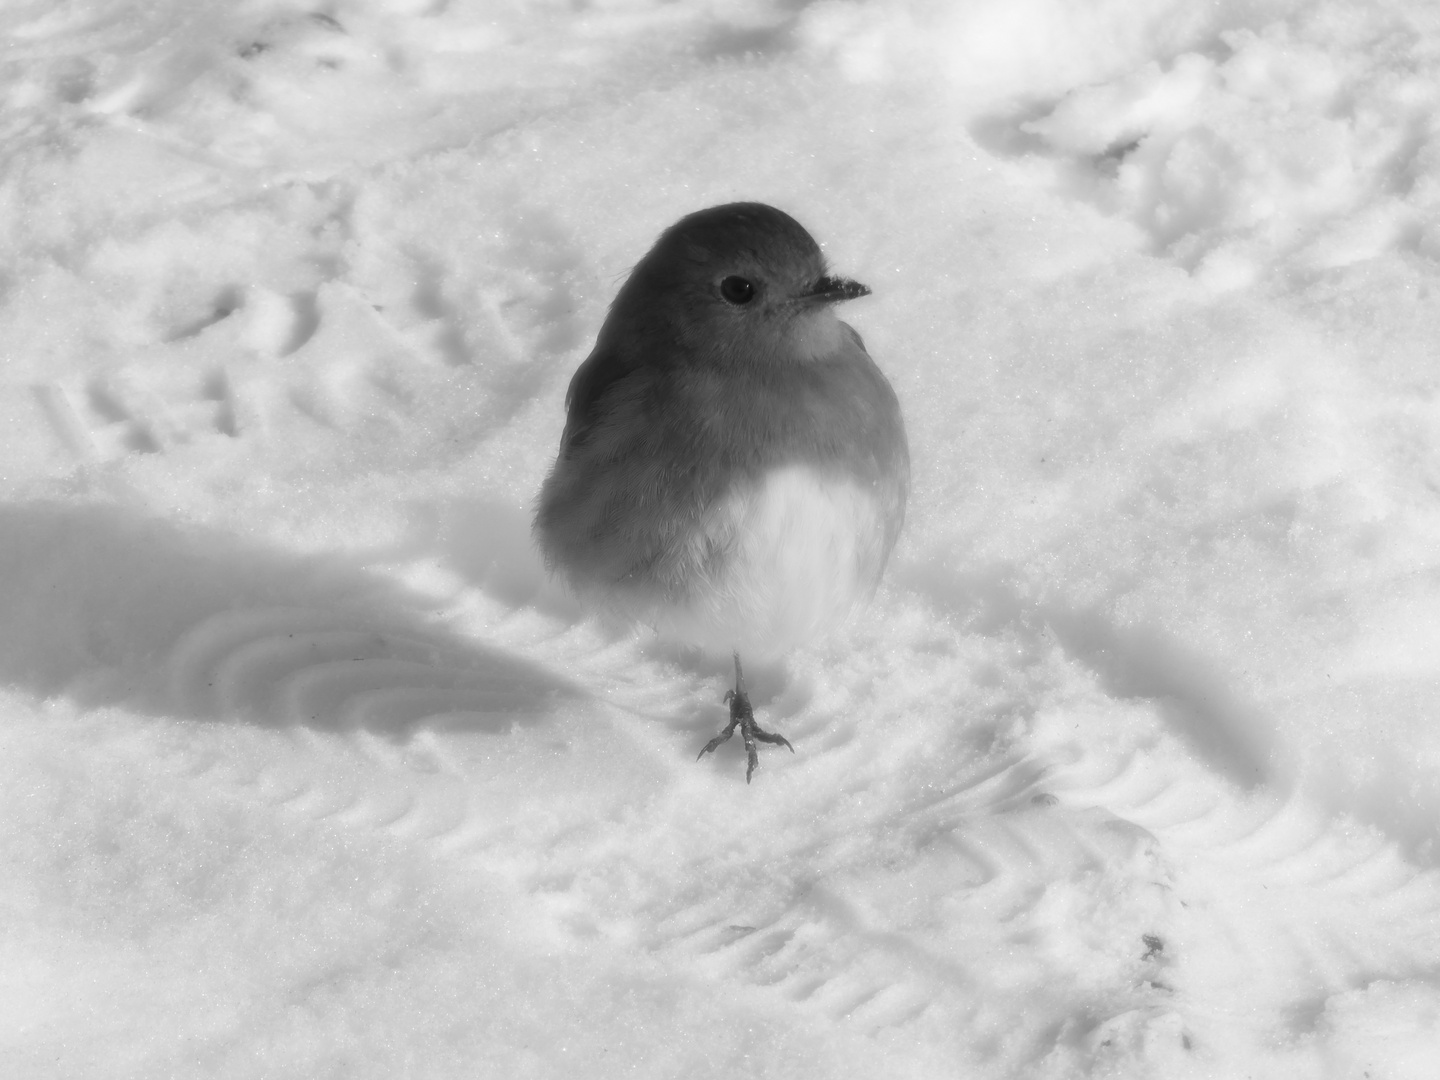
741,283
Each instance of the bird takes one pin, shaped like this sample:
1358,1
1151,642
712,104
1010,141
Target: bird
734,468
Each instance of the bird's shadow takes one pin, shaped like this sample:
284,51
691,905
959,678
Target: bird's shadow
487,542
108,606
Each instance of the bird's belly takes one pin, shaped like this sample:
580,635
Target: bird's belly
775,564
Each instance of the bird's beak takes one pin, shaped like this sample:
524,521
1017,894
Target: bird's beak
832,290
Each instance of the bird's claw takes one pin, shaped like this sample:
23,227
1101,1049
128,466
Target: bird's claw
716,741
742,715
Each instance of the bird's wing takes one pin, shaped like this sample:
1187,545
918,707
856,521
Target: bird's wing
602,369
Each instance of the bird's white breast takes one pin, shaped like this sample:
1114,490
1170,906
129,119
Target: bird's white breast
774,564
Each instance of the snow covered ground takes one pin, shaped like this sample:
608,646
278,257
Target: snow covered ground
1133,768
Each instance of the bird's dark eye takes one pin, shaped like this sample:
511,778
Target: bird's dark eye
737,290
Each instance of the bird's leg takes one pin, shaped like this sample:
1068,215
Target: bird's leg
743,717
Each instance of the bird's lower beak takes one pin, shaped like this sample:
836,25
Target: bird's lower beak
832,290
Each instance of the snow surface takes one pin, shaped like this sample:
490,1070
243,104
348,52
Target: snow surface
1133,767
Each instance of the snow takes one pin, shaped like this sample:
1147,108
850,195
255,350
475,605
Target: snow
1132,768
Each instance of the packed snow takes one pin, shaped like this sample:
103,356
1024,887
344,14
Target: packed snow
1132,769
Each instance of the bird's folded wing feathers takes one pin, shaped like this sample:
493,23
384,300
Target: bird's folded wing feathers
604,367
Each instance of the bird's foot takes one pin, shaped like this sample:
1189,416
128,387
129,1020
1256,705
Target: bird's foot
742,715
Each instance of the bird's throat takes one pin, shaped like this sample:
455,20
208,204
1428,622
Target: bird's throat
815,334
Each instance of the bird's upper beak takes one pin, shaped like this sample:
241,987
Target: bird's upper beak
832,290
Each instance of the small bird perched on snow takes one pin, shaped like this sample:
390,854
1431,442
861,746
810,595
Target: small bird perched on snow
733,469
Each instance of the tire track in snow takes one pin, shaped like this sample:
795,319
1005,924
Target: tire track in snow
1309,905
977,863
1259,877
